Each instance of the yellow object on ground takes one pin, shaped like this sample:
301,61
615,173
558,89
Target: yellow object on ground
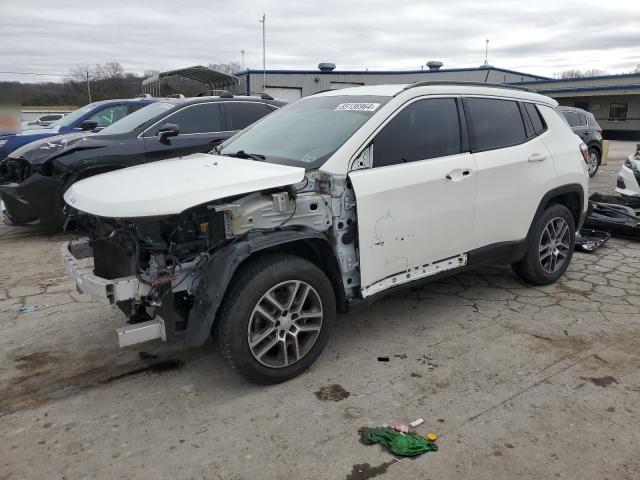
432,437
605,152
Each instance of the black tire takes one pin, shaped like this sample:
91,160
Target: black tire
594,151
249,285
530,268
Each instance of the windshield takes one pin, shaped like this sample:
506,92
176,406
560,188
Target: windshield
307,132
137,118
73,116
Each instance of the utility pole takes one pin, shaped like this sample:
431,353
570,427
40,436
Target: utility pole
264,54
242,52
88,86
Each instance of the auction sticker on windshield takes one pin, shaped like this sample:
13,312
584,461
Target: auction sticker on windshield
358,107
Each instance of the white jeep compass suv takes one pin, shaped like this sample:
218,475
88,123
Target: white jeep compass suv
329,202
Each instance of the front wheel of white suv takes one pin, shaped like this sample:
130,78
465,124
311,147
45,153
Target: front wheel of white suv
550,247
276,317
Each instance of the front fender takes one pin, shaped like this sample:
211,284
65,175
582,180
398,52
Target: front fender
219,271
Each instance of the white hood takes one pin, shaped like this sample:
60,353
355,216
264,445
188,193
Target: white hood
172,186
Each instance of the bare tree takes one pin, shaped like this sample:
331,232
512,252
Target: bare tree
109,70
575,73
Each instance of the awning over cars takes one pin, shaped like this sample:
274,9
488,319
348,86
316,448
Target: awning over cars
214,79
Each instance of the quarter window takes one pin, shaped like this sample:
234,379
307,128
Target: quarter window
244,114
425,129
199,118
494,123
536,118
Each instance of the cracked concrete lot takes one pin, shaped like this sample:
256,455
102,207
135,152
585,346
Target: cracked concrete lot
518,382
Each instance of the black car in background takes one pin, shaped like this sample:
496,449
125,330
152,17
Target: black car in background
584,125
34,177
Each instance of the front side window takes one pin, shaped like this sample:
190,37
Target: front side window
618,112
424,129
74,116
138,119
494,123
199,118
243,114
107,116
306,133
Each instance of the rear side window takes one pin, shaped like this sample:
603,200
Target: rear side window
572,117
199,118
535,117
494,123
425,129
243,114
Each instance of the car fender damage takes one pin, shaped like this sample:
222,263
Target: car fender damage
175,269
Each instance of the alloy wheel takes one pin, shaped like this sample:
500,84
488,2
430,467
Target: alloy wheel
284,324
554,245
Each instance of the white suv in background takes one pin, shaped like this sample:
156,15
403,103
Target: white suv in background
327,203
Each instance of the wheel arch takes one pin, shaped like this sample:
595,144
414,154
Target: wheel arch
596,146
212,288
571,196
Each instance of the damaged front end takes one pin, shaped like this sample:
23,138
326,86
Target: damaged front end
169,274
32,193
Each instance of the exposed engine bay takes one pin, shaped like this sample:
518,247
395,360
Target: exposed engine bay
184,262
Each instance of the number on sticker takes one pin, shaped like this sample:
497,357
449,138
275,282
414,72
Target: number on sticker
358,107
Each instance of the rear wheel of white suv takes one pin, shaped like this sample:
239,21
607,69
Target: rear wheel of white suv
550,247
276,317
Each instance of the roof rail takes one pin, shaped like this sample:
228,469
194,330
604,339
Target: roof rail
467,84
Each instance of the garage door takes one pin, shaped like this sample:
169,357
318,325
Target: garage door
284,93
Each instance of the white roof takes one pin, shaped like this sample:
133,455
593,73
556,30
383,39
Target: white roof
442,89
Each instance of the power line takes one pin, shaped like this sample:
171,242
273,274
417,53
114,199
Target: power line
42,74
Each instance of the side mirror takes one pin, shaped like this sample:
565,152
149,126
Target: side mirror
88,125
168,130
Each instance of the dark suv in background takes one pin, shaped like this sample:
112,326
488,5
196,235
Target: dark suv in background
33,178
584,125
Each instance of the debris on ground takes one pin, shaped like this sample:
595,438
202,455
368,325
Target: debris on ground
404,445
383,359
416,422
400,427
28,308
614,214
589,240
432,437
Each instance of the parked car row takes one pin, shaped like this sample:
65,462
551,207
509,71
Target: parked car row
326,204
34,177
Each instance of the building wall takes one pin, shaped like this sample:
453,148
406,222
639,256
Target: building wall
311,82
599,106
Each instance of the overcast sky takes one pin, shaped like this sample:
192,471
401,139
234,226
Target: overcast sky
541,37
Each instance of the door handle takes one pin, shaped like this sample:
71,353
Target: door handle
537,157
458,174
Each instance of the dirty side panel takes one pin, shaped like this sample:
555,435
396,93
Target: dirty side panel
410,215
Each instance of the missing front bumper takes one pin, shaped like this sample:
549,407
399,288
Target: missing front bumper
80,270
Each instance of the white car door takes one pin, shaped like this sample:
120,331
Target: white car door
415,204
515,168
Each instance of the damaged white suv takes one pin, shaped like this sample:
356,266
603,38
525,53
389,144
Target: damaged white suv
330,202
